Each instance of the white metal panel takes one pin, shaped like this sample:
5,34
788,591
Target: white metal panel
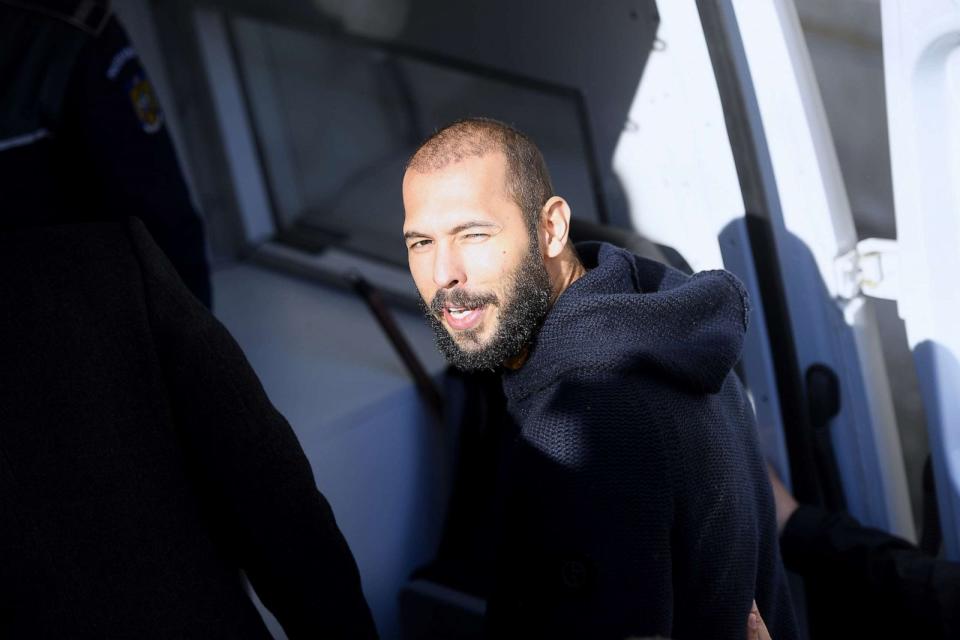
235,130
376,453
815,228
921,41
678,174
674,158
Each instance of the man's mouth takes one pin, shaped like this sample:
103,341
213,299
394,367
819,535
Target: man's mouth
461,318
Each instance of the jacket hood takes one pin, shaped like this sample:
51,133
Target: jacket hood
630,312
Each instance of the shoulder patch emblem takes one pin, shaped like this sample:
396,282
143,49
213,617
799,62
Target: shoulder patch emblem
122,57
145,103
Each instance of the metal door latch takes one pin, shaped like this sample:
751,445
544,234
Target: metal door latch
872,269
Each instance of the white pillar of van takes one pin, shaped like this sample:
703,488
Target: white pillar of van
679,177
921,54
812,229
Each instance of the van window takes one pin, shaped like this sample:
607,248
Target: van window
335,120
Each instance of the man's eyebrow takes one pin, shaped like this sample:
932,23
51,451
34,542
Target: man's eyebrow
407,235
471,224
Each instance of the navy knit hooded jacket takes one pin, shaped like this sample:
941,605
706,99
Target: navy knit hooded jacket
637,500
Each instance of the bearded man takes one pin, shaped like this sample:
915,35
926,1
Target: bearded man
637,500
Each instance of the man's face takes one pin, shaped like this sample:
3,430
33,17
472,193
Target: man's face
478,269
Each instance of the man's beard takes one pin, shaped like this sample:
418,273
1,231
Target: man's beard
522,310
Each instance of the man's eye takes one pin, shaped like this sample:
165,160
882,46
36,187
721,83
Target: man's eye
419,244
476,236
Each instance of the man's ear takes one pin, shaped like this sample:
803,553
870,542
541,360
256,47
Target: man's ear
555,226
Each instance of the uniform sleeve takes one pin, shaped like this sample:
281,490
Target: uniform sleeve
262,496
897,581
115,122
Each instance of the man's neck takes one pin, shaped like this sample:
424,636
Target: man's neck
564,274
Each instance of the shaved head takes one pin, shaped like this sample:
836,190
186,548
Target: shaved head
528,181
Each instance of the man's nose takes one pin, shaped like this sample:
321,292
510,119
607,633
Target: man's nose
448,268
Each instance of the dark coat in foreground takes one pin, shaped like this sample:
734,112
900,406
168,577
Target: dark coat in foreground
142,467
638,502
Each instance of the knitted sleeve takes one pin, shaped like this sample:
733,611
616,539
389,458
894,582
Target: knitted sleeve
724,536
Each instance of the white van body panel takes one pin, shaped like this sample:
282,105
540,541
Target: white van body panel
816,228
921,43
